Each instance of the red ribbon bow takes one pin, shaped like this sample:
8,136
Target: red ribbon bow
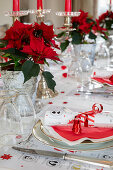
96,108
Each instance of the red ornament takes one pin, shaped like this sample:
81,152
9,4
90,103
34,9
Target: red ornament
63,67
5,156
94,73
65,102
62,92
18,137
77,94
64,75
50,103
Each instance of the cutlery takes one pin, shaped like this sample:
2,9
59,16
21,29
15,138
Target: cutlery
97,92
93,161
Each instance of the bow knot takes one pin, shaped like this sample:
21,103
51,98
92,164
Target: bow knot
96,108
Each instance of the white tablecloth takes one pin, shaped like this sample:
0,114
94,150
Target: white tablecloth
68,97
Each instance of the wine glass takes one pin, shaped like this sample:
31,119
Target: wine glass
26,110
83,71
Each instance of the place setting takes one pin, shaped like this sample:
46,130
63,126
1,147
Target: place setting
56,108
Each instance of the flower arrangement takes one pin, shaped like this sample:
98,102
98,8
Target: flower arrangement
26,47
85,27
106,20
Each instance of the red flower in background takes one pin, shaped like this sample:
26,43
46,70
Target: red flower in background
106,20
81,18
106,15
86,25
47,31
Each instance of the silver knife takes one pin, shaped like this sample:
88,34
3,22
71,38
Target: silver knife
92,161
97,92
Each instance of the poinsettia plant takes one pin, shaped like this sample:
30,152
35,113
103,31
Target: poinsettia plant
26,47
84,26
106,20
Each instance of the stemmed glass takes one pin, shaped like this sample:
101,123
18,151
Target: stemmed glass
83,72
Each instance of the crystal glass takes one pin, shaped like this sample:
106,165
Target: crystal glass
110,47
83,71
8,110
17,113
26,110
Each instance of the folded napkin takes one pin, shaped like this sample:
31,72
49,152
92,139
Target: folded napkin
59,125
104,80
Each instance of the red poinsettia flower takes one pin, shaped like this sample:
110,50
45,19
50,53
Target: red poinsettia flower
106,20
46,31
85,27
81,18
39,50
17,35
106,15
98,28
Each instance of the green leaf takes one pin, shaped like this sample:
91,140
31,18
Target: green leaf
60,34
49,80
92,36
89,20
2,45
46,62
64,45
109,24
6,55
75,24
6,63
30,69
3,41
18,67
76,37
16,53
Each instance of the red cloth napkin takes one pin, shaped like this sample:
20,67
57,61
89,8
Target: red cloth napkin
104,80
66,132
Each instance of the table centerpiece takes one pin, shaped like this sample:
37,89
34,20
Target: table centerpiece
25,48
106,21
84,37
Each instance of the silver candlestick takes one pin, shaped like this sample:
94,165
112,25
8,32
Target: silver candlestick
16,14
43,92
67,26
40,14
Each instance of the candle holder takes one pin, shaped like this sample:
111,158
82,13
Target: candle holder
43,92
16,14
40,14
110,7
67,26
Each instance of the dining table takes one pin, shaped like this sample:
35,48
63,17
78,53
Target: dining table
69,96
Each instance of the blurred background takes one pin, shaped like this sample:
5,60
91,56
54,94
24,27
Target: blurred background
94,7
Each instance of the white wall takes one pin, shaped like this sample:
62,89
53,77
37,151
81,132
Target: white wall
5,5
55,5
